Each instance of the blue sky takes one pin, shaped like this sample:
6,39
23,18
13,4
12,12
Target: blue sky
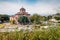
42,7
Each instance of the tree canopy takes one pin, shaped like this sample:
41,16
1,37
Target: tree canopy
4,18
35,18
23,20
57,17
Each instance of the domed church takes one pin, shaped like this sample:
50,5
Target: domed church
22,12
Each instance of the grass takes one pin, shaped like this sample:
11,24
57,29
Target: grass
38,33
51,33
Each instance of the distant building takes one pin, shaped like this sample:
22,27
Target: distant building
22,12
53,20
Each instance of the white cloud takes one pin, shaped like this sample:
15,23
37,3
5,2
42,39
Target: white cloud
8,8
40,8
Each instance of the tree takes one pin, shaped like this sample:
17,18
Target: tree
49,17
4,18
58,14
23,20
35,18
57,17
42,18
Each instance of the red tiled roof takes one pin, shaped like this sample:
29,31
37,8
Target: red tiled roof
25,13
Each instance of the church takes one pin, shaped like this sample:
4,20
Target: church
22,12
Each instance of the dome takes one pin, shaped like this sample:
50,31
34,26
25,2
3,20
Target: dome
22,8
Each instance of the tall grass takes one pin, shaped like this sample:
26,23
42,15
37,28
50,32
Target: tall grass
51,33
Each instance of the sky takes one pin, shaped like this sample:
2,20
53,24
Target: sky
42,7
